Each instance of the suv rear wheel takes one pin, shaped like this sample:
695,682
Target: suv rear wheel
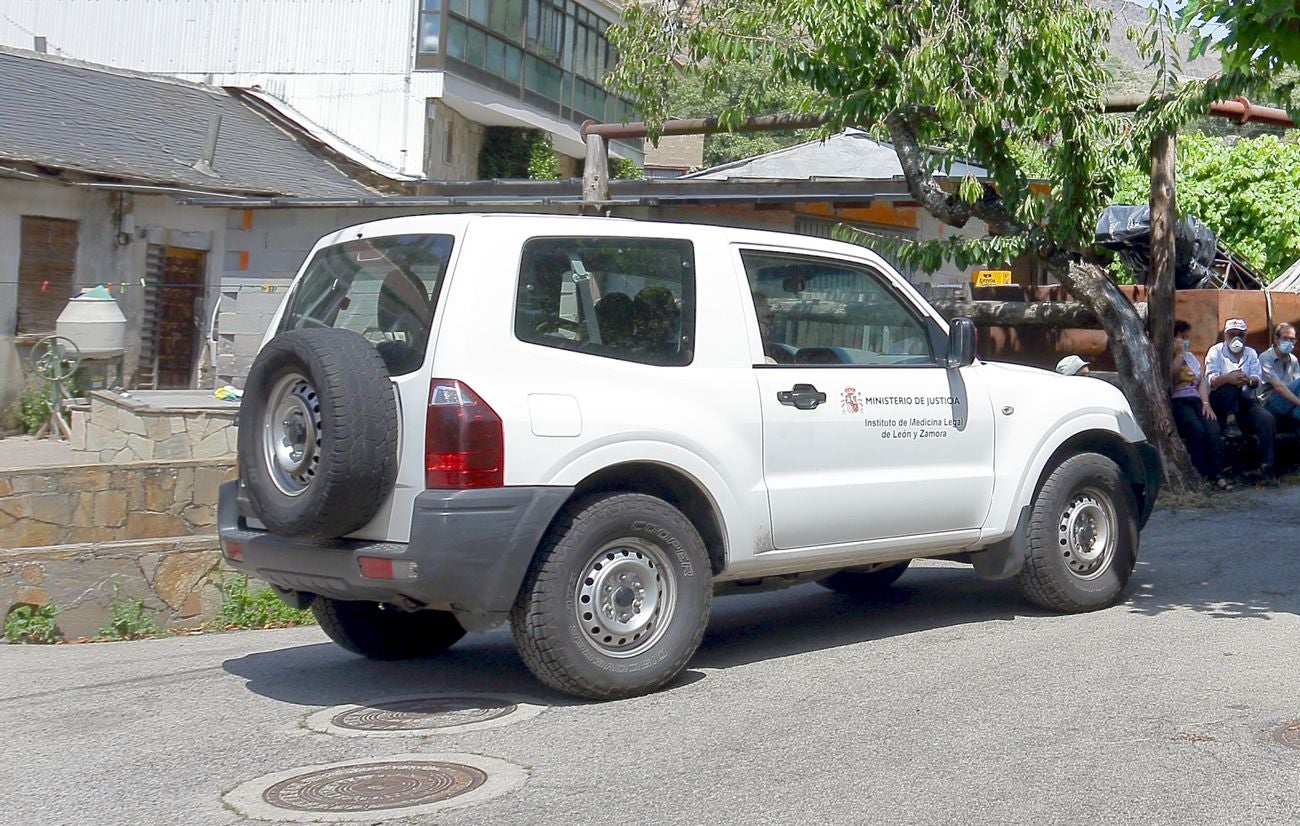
616,601
382,632
1083,536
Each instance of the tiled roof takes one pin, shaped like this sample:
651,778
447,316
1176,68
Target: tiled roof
851,154
150,130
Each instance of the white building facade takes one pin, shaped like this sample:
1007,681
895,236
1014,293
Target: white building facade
406,86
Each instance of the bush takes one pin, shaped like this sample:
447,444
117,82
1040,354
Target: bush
245,609
128,619
32,408
32,624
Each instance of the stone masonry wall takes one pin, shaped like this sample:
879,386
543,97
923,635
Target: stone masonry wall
177,578
116,429
86,536
104,503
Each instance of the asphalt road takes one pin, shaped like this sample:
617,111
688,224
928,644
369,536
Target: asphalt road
952,701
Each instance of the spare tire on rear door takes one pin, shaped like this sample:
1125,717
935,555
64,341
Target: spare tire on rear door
317,433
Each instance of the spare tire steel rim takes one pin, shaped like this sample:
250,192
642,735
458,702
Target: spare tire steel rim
625,597
291,434
1086,533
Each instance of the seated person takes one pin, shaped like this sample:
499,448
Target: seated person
1072,366
1234,375
403,312
614,318
654,321
772,354
1280,368
1190,399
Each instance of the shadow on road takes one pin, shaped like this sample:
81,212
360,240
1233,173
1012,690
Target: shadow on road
1240,562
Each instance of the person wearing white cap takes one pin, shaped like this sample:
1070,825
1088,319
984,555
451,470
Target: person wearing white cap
1234,373
1072,366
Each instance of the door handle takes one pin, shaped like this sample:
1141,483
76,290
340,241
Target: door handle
801,397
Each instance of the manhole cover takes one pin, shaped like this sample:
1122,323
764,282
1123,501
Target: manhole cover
370,786
423,715
375,789
1288,734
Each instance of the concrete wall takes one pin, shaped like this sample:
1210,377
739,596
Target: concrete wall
101,259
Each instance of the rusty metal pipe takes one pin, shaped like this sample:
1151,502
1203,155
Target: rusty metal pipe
702,126
1239,109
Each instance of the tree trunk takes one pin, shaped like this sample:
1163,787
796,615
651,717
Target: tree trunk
1060,314
1160,320
1135,359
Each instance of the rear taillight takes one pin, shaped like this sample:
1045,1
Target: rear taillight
463,443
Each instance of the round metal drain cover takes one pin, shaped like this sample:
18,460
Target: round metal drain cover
369,786
423,715
1288,734
375,789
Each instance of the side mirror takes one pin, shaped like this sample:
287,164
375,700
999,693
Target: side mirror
961,342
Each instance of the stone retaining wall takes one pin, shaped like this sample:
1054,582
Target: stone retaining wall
153,426
86,536
179,578
107,503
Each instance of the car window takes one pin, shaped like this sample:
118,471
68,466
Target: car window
624,298
384,288
821,311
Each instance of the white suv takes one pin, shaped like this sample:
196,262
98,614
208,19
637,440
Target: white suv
589,426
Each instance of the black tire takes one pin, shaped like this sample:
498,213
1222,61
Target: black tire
1083,537
648,560
384,632
865,582
333,386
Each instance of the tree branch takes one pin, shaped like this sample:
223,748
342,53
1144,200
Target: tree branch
948,208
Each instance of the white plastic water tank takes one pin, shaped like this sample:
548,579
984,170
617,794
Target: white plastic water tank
94,323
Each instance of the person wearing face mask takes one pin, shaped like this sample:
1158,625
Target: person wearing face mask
1280,391
1190,398
1234,375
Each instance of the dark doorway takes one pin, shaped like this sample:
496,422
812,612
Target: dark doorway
172,324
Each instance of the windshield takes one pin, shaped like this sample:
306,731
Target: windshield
384,289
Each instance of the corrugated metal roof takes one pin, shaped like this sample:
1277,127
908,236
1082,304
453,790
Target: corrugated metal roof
850,154
142,128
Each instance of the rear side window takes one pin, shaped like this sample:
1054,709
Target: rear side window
623,298
384,288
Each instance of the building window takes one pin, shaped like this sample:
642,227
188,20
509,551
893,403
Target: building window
564,58
46,260
430,26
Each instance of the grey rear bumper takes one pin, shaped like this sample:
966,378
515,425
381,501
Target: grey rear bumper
470,550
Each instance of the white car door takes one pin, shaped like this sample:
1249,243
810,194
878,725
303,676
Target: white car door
866,435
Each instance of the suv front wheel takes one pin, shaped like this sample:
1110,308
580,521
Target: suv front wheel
616,600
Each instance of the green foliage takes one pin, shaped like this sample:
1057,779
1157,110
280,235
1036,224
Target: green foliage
543,165
241,608
32,409
32,624
1258,38
505,153
128,619
1247,191
984,84
693,95
625,169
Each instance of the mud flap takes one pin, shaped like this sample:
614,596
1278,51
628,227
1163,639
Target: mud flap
1003,560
